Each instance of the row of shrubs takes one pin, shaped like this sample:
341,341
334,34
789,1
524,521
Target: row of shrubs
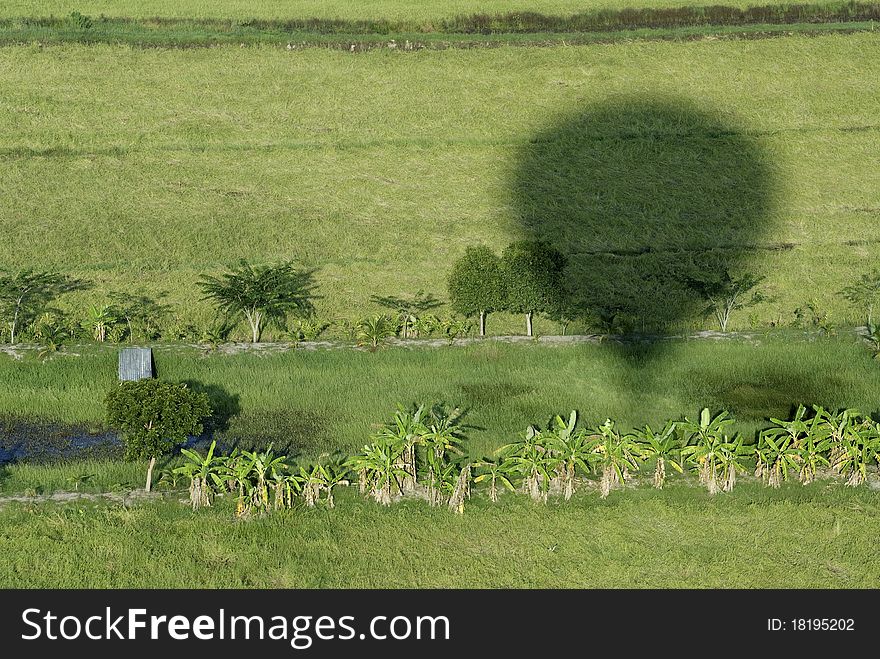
105,324
528,278
420,453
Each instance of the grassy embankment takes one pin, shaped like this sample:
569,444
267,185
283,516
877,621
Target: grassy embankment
144,168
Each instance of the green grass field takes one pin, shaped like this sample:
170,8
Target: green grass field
145,168
820,536
132,160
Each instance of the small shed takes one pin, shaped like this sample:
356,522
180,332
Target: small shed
136,364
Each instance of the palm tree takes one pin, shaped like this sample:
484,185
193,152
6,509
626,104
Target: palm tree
372,332
263,294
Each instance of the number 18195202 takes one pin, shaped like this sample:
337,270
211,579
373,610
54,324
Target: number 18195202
811,625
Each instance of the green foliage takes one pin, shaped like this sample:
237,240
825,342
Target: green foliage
663,446
864,293
99,320
477,284
308,329
25,294
262,294
709,451
204,472
373,332
533,275
616,453
873,339
408,310
80,21
152,416
143,314
725,293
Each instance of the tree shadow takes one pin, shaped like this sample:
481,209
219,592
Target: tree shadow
224,405
640,194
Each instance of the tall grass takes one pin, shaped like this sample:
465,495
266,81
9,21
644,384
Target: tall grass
312,402
795,537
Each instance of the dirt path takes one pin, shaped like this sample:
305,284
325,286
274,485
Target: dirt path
18,351
67,497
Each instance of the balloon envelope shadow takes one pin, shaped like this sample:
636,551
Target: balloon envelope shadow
641,195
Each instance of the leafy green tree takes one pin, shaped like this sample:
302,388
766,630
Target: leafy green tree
263,294
533,274
865,293
725,293
26,294
152,416
476,284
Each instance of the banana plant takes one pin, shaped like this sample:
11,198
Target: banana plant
334,474
312,479
405,431
859,447
813,449
381,468
236,472
441,435
461,490
264,464
664,446
534,462
616,453
494,472
839,427
716,457
571,448
777,454
99,320
204,473
284,487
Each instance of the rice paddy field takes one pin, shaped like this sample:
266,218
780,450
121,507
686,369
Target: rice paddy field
143,144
